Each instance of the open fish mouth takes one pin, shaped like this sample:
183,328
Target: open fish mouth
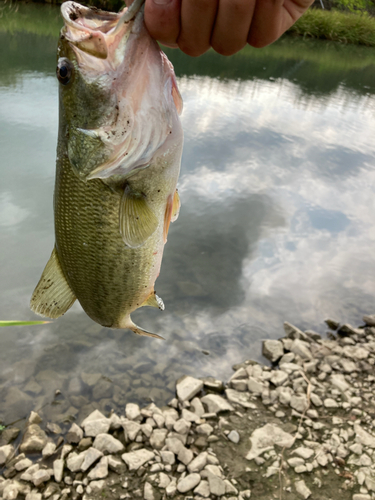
92,30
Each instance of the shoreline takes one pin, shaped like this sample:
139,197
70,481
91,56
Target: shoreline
301,428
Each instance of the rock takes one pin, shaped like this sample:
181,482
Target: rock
91,456
6,452
100,471
75,434
116,464
279,377
182,426
198,463
301,348
135,459
316,401
185,455
203,489
149,492
332,324
132,411
302,489
8,435
216,485
266,437
197,407
273,350
106,443
131,430
75,461
96,423
188,482
330,403
189,416
58,469
11,490
299,403
216,403
364,437
34,418
204,429
240,398
369,320
213,384
255,386
33,440
157,439
48,450
305,453
188,387
23,464
292,332
97,485
360,496
338,380
234,437
33,495
41,476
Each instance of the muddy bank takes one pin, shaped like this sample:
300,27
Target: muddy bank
301,428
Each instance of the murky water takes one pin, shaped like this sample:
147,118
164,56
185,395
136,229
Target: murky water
277,219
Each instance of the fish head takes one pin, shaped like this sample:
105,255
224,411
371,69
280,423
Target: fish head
118,93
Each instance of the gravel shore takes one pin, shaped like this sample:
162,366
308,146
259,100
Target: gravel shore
301,428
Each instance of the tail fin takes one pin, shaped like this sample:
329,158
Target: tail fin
52,296
128,323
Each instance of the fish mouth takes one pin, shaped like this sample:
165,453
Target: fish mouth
94,31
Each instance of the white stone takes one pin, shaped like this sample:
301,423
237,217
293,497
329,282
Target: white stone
135,459
182,426
185,455
364,437
23,464
168,457
91,456
216,485
163,480
189,416
49,450
58,469
279,377
241,398
299,403
97,485
198,463
305,453
188,387
75,460
41,476
96,423
273,350
264,438
188,482
197,407
301,348
131,429
330,403
216,403
255,386
302,489
203,489
6,452
100,471
234,437
132,411
106,443
158,437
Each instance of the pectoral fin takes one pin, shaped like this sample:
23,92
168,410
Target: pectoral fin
52,296
154,301
137,221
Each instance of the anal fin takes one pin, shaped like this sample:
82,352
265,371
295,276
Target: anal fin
154,301
52,296
137,221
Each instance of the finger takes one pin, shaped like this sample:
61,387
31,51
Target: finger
272,18
232,26
197,20
162,19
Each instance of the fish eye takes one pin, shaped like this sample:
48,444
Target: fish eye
64,70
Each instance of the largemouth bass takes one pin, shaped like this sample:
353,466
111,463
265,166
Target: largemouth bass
118,160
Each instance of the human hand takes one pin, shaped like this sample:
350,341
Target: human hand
225,25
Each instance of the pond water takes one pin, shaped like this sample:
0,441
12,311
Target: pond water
277,221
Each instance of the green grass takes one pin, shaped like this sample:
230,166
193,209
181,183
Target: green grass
336,26
22,323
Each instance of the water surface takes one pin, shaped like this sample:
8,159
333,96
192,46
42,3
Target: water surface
277,219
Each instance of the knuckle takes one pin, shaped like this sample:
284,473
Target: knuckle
227,49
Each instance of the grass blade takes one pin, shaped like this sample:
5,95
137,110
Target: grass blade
21,323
